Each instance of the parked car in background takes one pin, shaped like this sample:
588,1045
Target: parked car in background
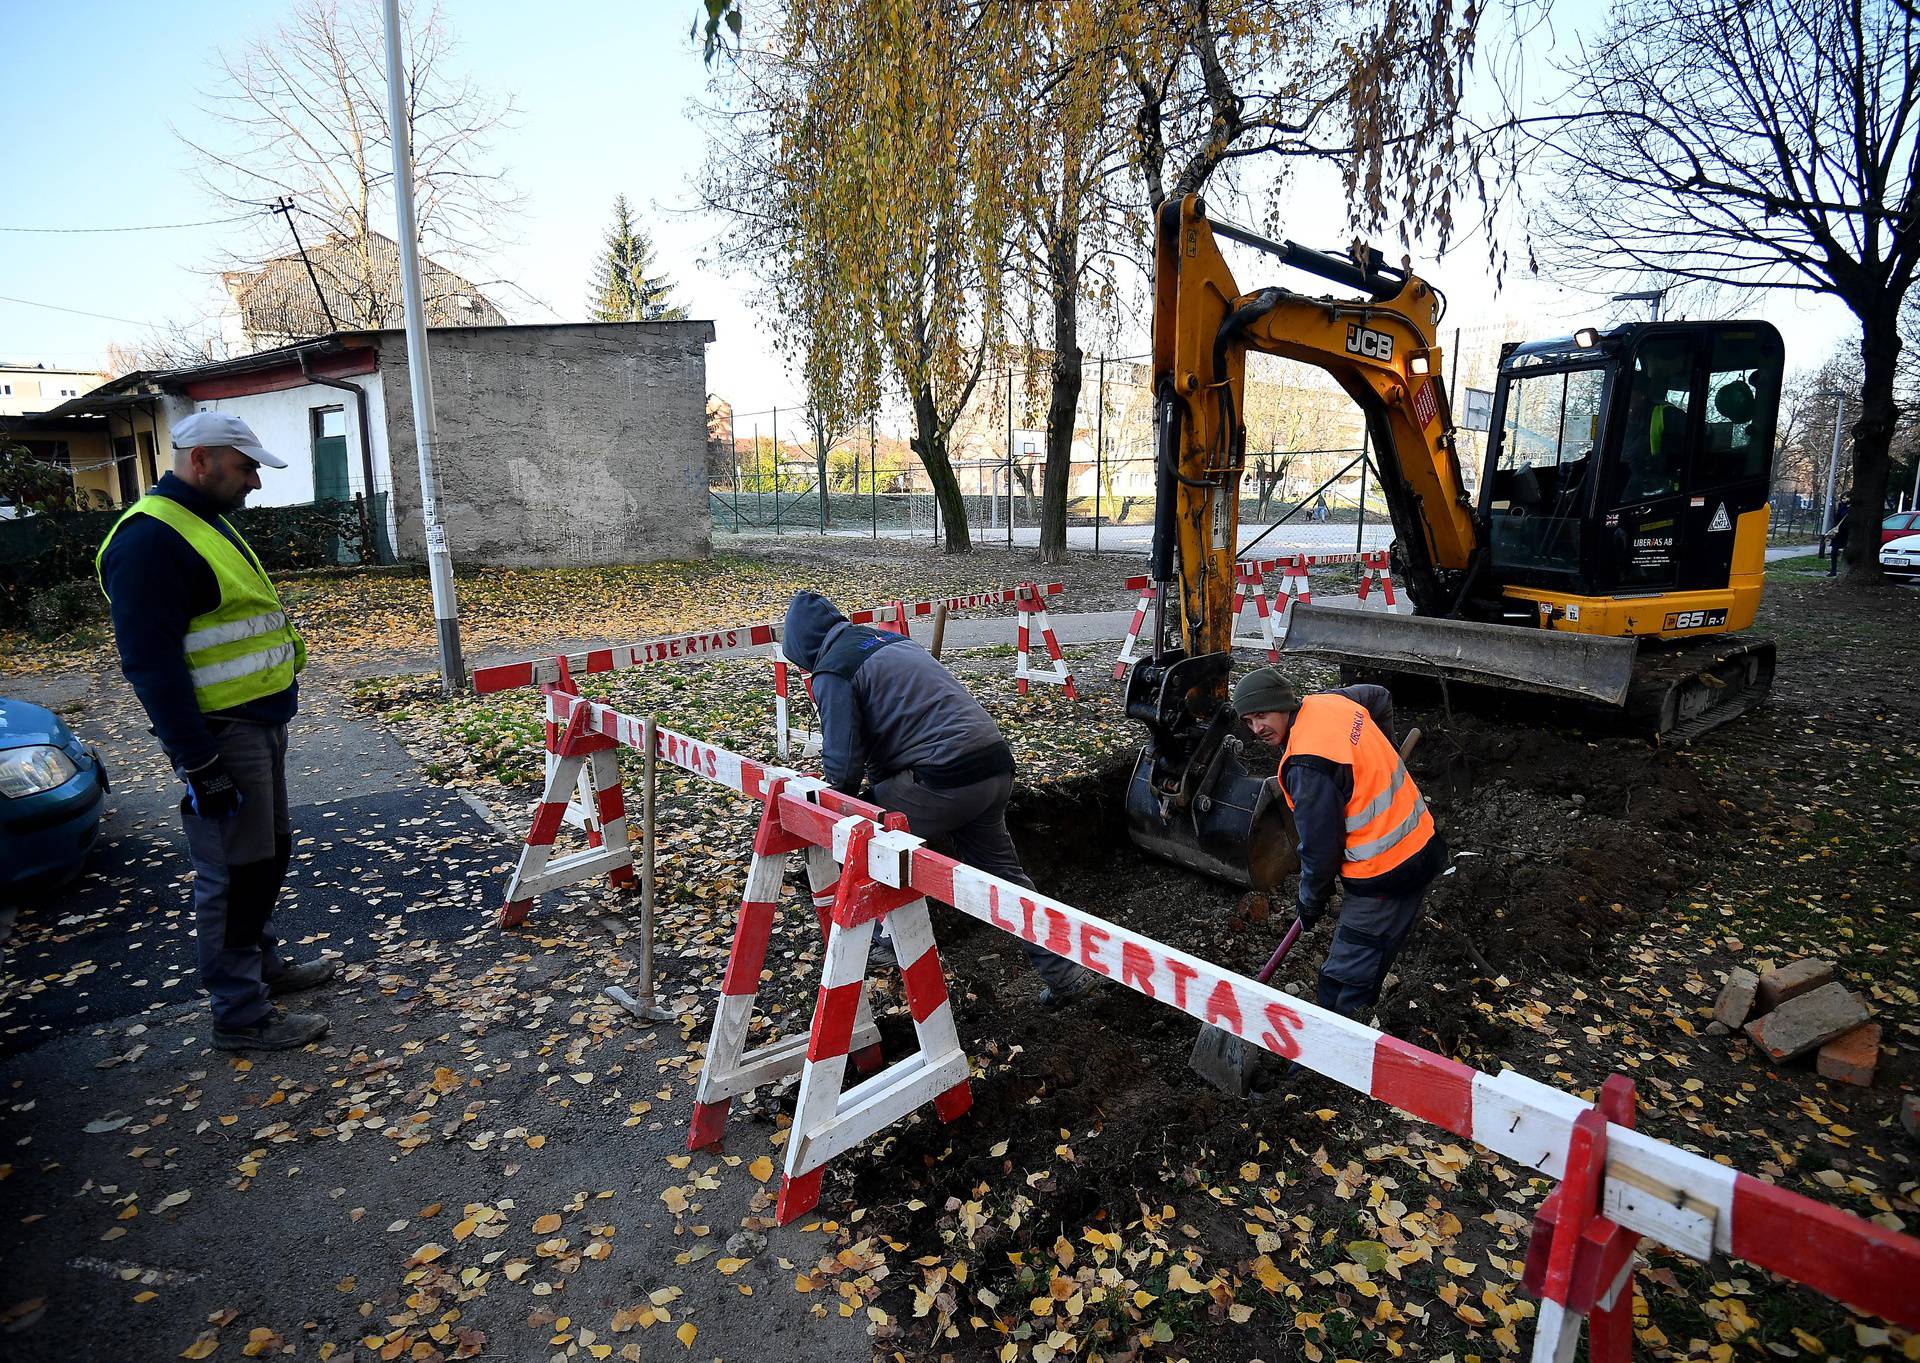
52,790
1898,524
1901,557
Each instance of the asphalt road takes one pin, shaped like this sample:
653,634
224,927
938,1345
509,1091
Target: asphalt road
466,1068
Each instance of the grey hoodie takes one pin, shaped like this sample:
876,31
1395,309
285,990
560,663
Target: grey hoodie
886,705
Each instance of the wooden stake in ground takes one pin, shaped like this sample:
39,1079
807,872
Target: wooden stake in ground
646,1007
939,629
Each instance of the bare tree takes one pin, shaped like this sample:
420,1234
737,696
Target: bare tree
1762,144
302,113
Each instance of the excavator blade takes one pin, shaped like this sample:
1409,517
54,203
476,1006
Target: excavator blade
1580,666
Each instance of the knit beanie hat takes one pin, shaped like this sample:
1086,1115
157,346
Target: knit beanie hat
1264,689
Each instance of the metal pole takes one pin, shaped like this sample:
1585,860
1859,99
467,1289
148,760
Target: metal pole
1009,456
758,482
446,610
1099,454
1833,466
733,467
873,471
776,470
1360,531
649,796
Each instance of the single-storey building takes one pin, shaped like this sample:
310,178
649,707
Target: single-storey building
576,443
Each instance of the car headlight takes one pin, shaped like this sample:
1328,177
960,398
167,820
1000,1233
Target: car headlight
28,771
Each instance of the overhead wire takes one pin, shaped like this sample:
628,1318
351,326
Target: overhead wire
144,227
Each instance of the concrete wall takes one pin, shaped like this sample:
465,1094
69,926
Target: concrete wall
558,445
284,422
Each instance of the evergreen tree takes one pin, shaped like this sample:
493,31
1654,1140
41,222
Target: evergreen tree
624,287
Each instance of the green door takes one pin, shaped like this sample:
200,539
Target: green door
329,426
330,455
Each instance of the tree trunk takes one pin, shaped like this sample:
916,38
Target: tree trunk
1064,404
820,472
1872,443
930,444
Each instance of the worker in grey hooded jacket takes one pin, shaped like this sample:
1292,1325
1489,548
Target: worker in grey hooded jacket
891,715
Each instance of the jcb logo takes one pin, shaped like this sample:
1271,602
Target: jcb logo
1374,345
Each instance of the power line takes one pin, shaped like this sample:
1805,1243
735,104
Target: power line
149,227
81,312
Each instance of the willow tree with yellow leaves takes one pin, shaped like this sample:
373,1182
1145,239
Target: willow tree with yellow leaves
852,151
903,169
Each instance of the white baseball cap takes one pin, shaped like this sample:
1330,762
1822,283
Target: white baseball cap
214,429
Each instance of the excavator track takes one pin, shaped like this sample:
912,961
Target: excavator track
1680,691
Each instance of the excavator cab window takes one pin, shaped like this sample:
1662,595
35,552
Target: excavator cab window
1654,441
1539,486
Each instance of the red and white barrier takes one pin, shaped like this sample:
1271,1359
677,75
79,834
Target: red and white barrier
1249,586
730,641
730,1068
785,737
584,764
1144,585
1033,615
1617,1182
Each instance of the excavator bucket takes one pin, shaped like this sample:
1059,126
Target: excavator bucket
1578,666
1238,829
1192,800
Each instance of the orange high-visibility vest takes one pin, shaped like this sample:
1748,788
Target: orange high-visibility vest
1387,820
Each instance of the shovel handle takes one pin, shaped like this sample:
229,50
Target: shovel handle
1279,953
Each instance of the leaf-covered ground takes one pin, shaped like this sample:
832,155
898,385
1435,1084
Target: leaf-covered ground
1098,1202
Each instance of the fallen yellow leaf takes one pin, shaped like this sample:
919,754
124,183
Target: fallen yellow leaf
547,1224
685,1334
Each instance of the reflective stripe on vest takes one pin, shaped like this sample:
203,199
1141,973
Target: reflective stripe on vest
239,629
245,647
1387,820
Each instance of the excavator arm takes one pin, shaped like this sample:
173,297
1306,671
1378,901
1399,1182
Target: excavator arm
1379,348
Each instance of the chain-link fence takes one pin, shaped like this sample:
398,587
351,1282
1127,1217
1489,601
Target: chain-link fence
1305,469
1309,481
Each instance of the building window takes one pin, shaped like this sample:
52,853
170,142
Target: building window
6,390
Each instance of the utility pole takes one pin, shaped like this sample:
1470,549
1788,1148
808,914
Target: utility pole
446,610
284,207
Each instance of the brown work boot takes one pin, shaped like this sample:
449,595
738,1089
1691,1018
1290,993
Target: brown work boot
304,975
277,1031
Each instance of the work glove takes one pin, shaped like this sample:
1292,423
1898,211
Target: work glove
1308,914
211,793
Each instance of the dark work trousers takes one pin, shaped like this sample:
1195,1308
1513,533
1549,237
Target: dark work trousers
238,865
1369,936
972,820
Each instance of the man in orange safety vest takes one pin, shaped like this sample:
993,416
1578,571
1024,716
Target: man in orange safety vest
1359,817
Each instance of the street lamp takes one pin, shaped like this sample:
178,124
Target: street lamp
1833,462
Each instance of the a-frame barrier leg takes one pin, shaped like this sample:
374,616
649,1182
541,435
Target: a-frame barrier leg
1579,1263
828,1117
730,1068
823,877
538,870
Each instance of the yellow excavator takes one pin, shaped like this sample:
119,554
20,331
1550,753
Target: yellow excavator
1608,552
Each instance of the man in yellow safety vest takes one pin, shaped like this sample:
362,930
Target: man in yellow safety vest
208,649
1358,816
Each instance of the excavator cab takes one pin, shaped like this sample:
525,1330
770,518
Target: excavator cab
1632,462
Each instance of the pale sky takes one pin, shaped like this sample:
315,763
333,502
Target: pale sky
602,88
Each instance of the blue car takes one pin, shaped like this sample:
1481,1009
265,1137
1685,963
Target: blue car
53,788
